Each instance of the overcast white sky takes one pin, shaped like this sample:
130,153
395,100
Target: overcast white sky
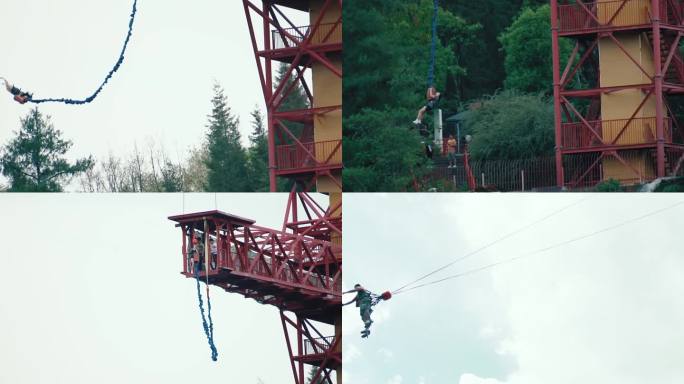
163,90
91,293
604,310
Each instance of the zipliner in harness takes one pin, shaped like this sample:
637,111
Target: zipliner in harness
374,300
366,300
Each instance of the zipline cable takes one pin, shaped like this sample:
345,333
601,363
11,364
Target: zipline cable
478,250
547,248
109,75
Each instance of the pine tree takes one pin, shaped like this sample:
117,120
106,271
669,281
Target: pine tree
296,99
258,154
34,160
227,160
310,378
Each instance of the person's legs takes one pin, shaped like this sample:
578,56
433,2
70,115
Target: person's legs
365,315
421,114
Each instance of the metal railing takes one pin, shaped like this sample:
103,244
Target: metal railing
295,156
502,175
326,33
618,13
640,130
581,170
320,345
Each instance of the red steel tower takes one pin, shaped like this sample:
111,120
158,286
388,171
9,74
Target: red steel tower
305,144
296,268
617,92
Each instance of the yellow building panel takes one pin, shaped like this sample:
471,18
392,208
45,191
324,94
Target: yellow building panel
633,12
332,13
327,90
617,69
614,169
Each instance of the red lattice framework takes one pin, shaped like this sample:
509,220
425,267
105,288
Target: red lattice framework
295,154
580,143
297,269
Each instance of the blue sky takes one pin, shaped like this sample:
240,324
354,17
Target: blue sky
597,311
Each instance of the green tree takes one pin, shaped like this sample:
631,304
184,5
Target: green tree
258,154
510,125
34,161
297,98
610,185
196,170
310,378
527,47
226,160
483,60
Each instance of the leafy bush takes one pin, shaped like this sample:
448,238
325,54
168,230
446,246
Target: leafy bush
610,185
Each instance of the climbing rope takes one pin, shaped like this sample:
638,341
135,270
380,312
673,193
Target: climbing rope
208,327
488,245
547,248
109,75
433,46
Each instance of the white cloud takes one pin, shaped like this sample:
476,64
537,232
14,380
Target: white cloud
396,379
350,352
387,354
469,378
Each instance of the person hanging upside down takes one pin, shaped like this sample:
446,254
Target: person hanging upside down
364,301
20,96
432,99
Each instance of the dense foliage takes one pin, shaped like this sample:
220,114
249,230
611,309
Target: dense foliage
483,48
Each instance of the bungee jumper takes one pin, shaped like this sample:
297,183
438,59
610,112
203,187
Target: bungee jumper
366,300
23,97
20,96
432,101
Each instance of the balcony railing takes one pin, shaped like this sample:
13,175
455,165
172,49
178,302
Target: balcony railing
294,157
318,347
290,37
638,131
618,13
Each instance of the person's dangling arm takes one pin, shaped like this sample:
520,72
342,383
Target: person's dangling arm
351,301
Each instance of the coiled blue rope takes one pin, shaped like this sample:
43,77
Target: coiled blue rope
109,75
208,327
433,46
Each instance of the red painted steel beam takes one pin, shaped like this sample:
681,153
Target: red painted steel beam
593,92
555,52
300,52
658,82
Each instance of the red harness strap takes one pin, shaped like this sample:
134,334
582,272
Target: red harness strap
20,99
